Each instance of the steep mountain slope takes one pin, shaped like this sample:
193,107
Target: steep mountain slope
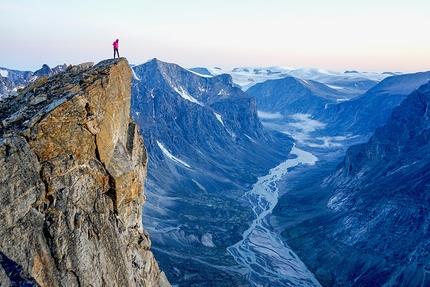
72,170
374,228
364,114
206,147
291,95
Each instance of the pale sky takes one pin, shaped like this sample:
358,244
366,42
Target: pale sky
365,35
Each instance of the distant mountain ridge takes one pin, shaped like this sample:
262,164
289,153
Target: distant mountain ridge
12,80
336,113
349,83
372,109
291,95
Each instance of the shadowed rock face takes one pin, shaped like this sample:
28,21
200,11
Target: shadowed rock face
383,189
367,224
72,169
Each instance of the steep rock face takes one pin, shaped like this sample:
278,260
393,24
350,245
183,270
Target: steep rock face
72,171
199,119
398,148
383,187
228,105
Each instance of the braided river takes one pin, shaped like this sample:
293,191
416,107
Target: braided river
268,260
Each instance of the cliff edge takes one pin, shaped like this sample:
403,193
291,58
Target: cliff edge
72,170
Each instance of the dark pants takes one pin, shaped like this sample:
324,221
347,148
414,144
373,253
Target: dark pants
115,52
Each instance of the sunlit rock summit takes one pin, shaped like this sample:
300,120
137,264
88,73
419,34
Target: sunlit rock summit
72,170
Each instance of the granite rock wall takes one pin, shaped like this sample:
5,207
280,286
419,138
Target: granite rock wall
72,171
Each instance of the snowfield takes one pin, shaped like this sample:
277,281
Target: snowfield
245,77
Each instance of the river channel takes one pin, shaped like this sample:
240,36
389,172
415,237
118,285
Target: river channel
269,261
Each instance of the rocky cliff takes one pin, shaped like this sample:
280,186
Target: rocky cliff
72,169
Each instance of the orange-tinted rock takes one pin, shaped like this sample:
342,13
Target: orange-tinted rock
73,166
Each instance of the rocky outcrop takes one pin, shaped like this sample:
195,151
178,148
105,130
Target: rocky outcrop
72,169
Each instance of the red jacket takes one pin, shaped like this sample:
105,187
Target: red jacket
115,44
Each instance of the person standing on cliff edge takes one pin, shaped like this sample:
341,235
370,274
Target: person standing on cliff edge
115,48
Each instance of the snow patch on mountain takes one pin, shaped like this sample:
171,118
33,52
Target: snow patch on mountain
306,82
219,118
202,72
199,185
250,138
207,240
335,87
342,100
222,92
187,96
169,155
4,73
135,76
